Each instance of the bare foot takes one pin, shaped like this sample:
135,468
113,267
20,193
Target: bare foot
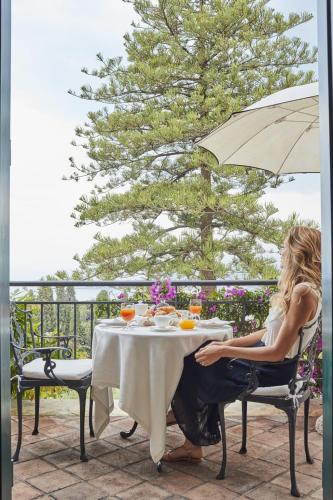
186,453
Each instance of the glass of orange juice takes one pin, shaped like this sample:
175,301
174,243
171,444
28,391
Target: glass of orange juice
187,323
195,308
127,312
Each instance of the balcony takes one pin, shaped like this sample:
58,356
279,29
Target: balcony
50,466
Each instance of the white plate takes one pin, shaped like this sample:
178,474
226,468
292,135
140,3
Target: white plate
164,328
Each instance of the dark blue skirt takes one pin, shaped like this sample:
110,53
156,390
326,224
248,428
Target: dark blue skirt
200,389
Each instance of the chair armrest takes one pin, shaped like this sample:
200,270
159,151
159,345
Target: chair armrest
252,376
50,337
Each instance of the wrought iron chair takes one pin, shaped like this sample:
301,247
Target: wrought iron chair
287,398
35,368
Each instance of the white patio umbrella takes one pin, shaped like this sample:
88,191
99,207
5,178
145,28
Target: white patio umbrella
279,133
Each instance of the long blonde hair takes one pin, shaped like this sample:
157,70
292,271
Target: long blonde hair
301,263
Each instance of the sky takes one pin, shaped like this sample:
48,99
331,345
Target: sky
51,41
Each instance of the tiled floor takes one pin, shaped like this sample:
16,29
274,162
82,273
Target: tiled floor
50,467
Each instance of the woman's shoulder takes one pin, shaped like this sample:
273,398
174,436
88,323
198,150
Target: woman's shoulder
305,293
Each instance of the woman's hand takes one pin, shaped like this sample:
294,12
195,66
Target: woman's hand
211,353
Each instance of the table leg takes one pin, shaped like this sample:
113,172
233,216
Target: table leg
129,433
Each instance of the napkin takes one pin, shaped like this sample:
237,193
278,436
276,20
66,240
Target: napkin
113,322
212,323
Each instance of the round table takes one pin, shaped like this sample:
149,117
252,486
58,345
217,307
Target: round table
146,366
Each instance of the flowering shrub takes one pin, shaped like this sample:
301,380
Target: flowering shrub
162,291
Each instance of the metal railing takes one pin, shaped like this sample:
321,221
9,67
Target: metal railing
78,318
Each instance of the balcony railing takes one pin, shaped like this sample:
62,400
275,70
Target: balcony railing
78,318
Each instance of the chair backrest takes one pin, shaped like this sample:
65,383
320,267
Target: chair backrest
306,360
20,325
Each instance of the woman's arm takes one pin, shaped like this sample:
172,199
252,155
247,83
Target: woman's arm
245,341
302,306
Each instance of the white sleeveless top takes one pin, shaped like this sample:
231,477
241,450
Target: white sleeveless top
274,321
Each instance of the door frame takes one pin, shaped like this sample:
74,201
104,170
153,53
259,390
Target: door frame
5,452
325,18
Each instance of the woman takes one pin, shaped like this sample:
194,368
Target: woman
207,379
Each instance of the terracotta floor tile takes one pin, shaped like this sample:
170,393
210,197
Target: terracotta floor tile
28,438
22,491
264,423
73,438
269,492
118,441
31,468
25,454
234,459
239,481
205,470
120,458
306,484
145,469
80,491
314,470
52,481
280,456
58,430
211,491
262,469
316,439
176,482
299,447
115,482
144,491
45,447
237,431
124,468
317,494
272,439
64,458
99,447
143,449
255,450
90,470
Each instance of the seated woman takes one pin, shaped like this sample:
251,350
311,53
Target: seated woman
207,380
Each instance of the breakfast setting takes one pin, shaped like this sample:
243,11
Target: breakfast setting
163,317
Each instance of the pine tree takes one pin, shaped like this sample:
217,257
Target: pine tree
190,64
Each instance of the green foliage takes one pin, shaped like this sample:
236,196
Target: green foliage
190,65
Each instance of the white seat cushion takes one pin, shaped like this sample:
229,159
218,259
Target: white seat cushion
276,390
66,369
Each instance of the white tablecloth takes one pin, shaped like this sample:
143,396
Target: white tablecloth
146,366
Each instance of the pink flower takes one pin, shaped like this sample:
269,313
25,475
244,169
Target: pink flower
212,308
234,329
121,295
201,295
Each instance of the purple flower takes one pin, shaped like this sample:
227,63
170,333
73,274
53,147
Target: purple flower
234,292
319,344
267,292
260,300
121,295
162,291
212,308
201,295
234,329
